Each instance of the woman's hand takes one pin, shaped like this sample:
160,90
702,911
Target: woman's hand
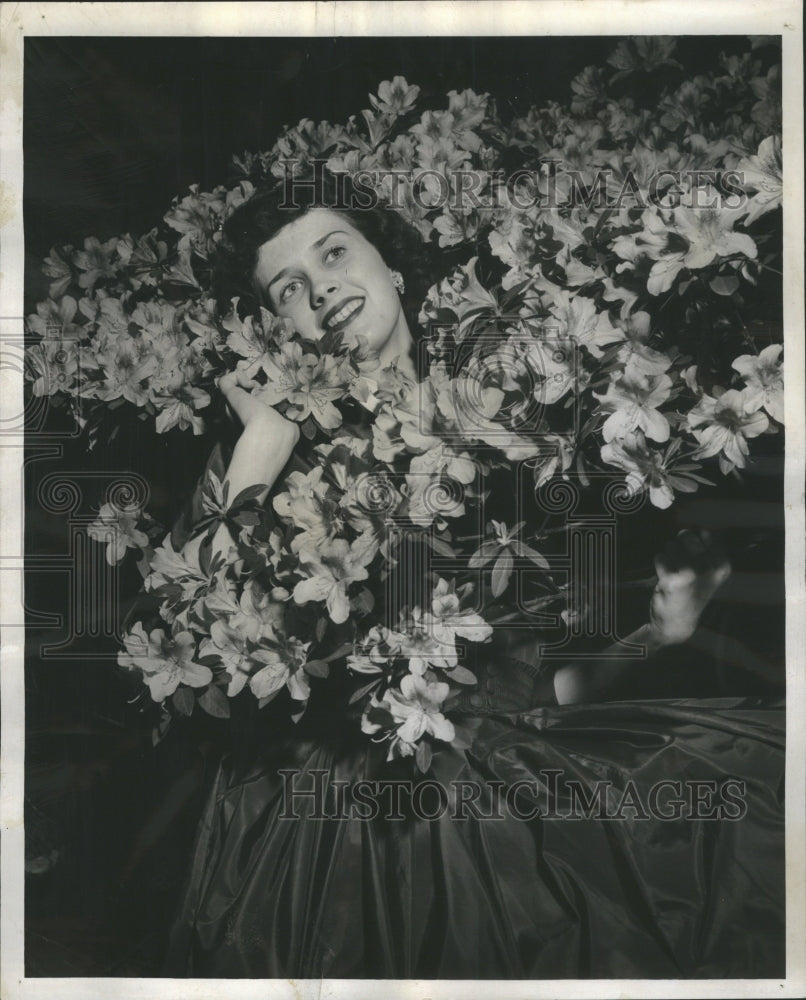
236,388
690,570
262,450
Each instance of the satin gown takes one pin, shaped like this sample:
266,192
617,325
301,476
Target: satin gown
531,894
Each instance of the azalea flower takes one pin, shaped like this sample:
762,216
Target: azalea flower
588,88
126,367
144,258
632,404
422,648
764,378
283,668
684,107
580,321
415,709
330,570
55,363
95,261
638,359
252,337
513,239
551,366
370,500
722,426
302,501
229,645
434,484
57,265
118,529
556,454
395,97
179,577
763,174
200,319
448,619
398,154
309,384
165,662
470,403
464,295
767,111
648,468
197,215
179,409
455,227
259,616
468,108
643,52
709,232
55,320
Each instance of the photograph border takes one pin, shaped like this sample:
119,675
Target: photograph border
508,18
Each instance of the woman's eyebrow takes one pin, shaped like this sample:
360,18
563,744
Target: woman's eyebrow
314,246
324,239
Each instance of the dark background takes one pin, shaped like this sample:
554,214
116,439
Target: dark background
116,127
113,129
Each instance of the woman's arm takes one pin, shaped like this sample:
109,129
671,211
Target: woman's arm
261,452
689,572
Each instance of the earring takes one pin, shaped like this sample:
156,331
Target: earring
397,280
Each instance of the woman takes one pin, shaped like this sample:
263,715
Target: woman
287,880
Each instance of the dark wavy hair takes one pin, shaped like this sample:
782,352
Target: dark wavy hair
267,212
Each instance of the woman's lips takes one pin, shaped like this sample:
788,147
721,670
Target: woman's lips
343,314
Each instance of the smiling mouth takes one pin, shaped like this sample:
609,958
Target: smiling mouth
339,316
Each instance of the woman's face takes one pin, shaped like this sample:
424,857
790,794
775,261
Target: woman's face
323,274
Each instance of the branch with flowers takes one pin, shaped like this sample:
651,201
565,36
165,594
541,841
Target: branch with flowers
618,309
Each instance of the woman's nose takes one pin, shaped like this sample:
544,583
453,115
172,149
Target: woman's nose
322,288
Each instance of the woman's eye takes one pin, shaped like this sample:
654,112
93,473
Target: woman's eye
289,290
334,253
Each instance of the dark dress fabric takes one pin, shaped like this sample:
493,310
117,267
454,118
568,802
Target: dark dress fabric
531,894
528,898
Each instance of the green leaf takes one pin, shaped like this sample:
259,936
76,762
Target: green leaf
440,546
205,550
247,517
363,602
263,702
365,690
144,562
215,702
465,733
183,700
317,668
501,573
249,493
162,727
724,285
522,549
337,654
483,554
423,756
461,675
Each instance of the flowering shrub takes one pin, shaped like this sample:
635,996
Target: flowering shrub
612,313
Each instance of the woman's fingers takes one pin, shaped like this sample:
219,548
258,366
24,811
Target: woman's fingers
238,379
690,550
